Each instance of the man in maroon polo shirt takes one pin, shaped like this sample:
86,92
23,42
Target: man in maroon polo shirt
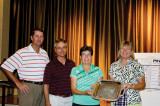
57,87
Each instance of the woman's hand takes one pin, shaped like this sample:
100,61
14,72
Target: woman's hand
140,86
92,86
127,86
89,92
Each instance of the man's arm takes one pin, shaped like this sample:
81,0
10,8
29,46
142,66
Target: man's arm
23,88
46,94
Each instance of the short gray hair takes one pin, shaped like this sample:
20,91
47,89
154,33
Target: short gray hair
60,40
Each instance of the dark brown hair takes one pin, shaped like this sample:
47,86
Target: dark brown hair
86,48
37,29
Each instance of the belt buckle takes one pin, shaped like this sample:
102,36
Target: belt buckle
34,82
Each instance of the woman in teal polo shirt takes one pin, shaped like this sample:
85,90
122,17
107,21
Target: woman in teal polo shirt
83,78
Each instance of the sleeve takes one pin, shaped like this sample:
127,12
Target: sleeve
47,58
100,73
139,71
47,74
111,71
73,72
12,63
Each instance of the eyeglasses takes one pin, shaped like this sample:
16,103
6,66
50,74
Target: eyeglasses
59,48
84,55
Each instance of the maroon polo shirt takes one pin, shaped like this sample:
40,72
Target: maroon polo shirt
57,76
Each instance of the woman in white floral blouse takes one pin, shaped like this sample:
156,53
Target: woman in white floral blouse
129,72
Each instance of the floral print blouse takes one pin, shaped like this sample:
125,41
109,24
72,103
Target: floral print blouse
130,74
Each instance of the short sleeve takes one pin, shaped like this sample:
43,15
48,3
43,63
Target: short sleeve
73,72
12,63
100,73
111,71
47,73
139,71
48,59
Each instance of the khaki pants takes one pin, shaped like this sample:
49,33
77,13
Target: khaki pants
34,98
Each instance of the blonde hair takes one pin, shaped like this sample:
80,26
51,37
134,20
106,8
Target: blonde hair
126,43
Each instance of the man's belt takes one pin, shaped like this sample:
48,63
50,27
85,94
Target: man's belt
32,82
64,96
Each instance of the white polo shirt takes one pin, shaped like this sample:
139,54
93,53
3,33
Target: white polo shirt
30,65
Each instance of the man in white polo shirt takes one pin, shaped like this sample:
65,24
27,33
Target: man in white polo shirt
30,63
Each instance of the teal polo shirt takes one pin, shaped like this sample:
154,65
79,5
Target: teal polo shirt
84,82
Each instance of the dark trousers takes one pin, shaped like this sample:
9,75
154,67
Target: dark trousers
83,105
